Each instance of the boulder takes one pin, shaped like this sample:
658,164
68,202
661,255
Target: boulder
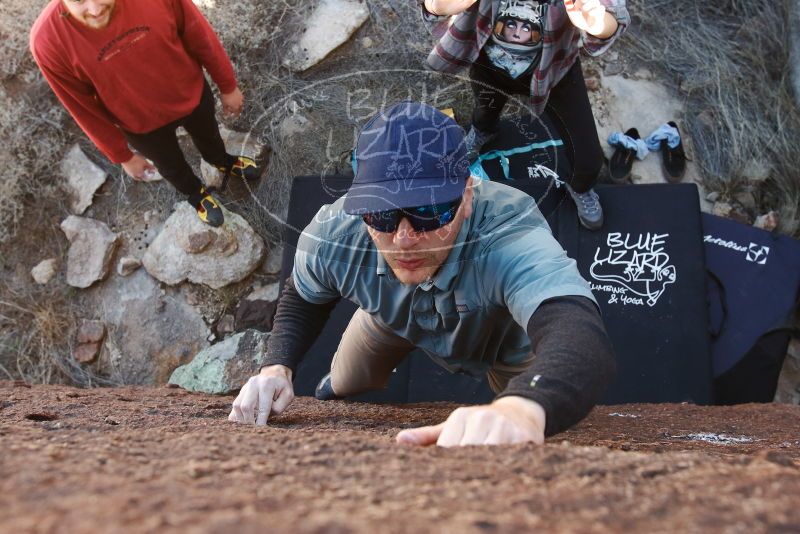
44,271
83,178
235,251
91,248
224,367
150,330
331,24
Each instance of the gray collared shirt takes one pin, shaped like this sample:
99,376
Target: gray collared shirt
475,309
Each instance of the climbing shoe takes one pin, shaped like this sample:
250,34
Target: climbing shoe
208,209
242,167
324,389
590,212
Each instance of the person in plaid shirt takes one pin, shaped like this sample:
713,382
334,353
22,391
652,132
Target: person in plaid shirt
531,47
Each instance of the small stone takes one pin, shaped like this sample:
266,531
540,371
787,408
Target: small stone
44,271
91,332
768,221
268,293
712,196
746,199
86,352
643,74
613,68
367,42
592,84
127,265
199,241
756,170
225,324
109,421
722,209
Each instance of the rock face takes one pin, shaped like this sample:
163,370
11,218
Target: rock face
188,249
331,24
91,248
83,179
224,367
44,271
150,331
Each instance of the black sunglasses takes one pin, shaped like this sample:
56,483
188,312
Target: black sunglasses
421,218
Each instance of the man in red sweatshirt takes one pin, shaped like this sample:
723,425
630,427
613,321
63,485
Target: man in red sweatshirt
130,72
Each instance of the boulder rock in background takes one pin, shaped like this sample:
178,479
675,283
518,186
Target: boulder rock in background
44,271
150,331
331,24
235,252
224,367
91,248
83,179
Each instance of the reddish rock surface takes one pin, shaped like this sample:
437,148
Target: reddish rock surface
164,460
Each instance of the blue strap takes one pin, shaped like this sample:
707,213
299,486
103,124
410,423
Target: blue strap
477,169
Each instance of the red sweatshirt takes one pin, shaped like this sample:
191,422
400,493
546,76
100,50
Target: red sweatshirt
142,71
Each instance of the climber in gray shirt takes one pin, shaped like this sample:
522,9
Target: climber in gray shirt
465,270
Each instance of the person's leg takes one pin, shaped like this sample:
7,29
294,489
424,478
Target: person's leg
569,107
161,147
201,124
366,357
499,375
203,128
571,111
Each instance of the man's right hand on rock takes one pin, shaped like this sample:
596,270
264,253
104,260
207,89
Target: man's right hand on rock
269,392
137,167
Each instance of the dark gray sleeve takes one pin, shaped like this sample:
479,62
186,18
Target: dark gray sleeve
573,365
296,326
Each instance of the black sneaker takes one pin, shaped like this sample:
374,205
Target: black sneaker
324,389
242,167
673,159
207,207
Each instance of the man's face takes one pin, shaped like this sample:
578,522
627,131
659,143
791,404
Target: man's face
517,31
416,256
95,14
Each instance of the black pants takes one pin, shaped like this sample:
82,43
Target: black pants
568,107
161,145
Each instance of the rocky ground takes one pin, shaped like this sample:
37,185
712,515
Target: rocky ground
162,459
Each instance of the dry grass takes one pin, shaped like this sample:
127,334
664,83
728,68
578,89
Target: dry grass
731,60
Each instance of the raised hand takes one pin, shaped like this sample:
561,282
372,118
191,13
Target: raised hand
591,16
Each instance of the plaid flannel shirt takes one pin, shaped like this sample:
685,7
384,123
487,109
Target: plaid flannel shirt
461,41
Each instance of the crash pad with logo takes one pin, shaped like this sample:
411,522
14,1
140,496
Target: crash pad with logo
647,271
